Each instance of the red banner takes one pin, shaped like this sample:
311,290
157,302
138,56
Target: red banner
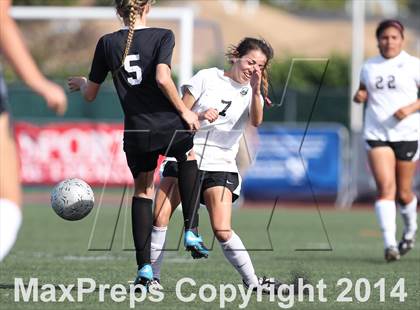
90,151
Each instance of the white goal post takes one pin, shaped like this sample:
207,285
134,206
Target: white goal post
184,15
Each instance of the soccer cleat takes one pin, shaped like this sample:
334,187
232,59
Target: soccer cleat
155,283
267,286
392,254
144,276
405,245
194,244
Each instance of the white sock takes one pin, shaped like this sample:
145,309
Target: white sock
238,256
10,220
386,214
409,216
156,249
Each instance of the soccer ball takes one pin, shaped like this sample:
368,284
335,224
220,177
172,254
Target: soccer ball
72,199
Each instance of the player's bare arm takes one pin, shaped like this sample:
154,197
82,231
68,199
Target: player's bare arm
166,84
88,88
188,99
15,51
256,116
361,95
407,110
211,114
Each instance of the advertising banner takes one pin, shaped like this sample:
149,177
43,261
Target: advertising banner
292,165
52,152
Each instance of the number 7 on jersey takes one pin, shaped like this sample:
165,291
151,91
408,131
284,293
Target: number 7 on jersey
223,112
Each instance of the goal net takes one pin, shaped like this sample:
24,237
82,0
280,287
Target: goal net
63,38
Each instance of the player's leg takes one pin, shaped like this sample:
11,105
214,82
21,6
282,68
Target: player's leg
166,200
193,242
189,189
189,184
142,222
406,199
382,163
142,166
10,190
218,200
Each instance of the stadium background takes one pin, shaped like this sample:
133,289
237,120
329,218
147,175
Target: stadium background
313,23
327,168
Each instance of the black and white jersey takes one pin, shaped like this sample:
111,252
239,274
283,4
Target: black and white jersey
216,144
150,118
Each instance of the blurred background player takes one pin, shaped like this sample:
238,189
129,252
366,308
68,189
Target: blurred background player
156,120
226,101
15,51
389,85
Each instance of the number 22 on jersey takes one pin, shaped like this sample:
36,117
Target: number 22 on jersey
390,82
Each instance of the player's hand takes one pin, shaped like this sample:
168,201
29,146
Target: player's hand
74,83
211,115
256,81
55,97
403,113
361,96
191,119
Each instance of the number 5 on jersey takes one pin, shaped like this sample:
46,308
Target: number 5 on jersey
131,69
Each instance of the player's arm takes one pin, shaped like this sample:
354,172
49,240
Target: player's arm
188,99
15,51
256,115
88,88
361,94
167,85
407,110
256,111
211,114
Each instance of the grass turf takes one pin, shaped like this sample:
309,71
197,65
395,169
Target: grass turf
56,251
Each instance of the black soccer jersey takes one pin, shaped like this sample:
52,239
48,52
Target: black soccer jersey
145,107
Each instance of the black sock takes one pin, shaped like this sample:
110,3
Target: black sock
189,179
142,221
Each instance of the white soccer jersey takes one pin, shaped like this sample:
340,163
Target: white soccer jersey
216,144
391,84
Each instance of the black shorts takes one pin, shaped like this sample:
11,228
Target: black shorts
403,150
230,180
147,161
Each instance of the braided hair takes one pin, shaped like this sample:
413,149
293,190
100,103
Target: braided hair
129,9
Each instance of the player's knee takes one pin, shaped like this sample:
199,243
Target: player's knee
161,219
160,223
404,196
387,191
144,192
143,185
223,235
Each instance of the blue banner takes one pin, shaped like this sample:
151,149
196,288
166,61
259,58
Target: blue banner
290,165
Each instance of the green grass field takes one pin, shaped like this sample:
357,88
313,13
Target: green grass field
56,251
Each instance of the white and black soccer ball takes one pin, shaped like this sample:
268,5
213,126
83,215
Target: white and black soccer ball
72,199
